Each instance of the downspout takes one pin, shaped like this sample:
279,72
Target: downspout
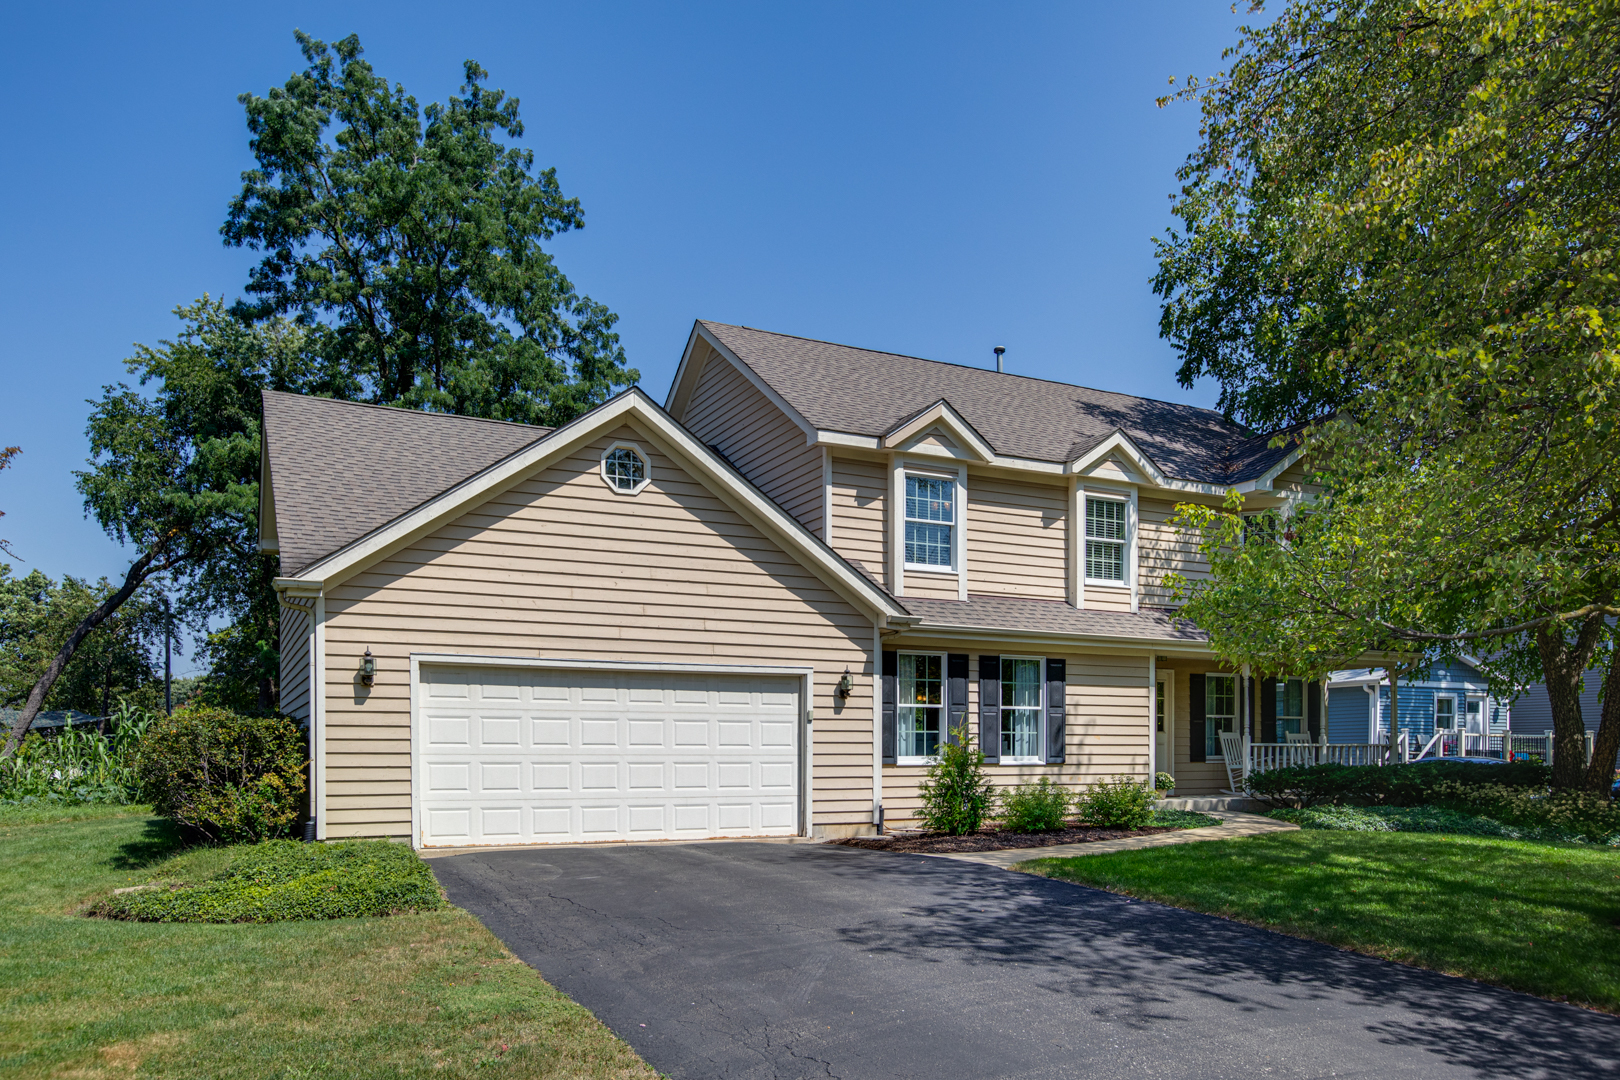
877,726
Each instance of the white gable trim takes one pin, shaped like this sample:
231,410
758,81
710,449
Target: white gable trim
1121,444
942,414
632,404
1264,481
680,393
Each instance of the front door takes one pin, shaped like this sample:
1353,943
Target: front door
1475,717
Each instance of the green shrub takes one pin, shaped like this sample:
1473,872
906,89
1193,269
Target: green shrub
1575,813
1389,785
1035,808
283,879
1123,803
225,776
1181,819
957,796
77,765
1163,781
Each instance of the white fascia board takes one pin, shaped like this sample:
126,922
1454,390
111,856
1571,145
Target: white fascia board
952,421
678,390
698,330
844,438
1120,443
633,403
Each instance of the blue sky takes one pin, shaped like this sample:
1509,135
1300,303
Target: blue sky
929,178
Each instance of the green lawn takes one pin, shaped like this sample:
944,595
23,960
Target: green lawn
429,994
1542,918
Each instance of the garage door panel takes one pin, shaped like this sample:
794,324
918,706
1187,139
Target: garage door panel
551,755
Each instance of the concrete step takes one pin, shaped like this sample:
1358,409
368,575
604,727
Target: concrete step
1217,802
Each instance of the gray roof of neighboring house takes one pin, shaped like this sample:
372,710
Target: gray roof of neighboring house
341,469
862,392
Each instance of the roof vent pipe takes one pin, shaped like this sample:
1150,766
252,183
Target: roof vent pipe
999,349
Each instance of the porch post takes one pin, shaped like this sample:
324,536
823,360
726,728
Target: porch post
1246,705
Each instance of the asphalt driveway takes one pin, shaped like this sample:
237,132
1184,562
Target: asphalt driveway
768,960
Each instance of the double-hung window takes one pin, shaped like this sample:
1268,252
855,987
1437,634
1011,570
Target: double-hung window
1023,704
1105,540
1290,708
930,522
1220,711
920,704
1445,712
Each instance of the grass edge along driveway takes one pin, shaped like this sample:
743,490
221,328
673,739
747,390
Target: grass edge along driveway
426,994
1541,918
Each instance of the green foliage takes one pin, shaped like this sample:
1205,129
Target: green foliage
408,242
1396,785
1398,233
227,777
113,665
1418,819
1574,813
1181,819
77,765
958,795
1121,803
278,880
1163,781
1033,808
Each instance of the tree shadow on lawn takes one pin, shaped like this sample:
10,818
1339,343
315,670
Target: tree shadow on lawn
1138,956
159,840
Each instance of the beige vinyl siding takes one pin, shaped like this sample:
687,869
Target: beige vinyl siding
1105,725
1017,538
1164,549
1292,480
859,490
932,586
1107,598
1193,777
558,566
293,680
728,413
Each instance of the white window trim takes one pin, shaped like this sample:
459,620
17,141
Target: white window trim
1129,581
932,471
1237,707
944,705
1456,713
1040,730
646,468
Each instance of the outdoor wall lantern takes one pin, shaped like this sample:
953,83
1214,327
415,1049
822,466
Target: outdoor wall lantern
846,685
368,668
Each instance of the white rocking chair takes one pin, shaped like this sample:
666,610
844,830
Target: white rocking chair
1232,751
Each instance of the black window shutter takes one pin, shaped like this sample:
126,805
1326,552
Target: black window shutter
891,678
1268,710
1057,684
990,707
1195,730
956,696
1313,709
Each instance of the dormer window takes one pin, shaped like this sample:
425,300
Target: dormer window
1105,540
930,522
624,469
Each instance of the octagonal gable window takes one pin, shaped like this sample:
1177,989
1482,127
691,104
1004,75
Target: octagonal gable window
624,468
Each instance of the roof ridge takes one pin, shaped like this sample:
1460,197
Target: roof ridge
404,410
969,367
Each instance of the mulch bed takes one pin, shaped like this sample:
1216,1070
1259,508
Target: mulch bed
991,840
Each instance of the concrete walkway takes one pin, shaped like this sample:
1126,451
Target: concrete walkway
1233,824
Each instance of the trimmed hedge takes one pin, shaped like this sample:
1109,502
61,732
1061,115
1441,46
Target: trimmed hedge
224,776
1389,785
280,880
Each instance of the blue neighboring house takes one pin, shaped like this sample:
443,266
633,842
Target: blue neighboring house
1454,697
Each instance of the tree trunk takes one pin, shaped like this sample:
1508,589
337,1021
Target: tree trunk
141,569
1606,746
1562,664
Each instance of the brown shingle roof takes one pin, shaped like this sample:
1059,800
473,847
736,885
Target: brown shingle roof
861,392
1050,617
343,469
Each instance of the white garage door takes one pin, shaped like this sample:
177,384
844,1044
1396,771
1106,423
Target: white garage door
540,755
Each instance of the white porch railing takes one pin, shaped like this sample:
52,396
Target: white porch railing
1243,756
